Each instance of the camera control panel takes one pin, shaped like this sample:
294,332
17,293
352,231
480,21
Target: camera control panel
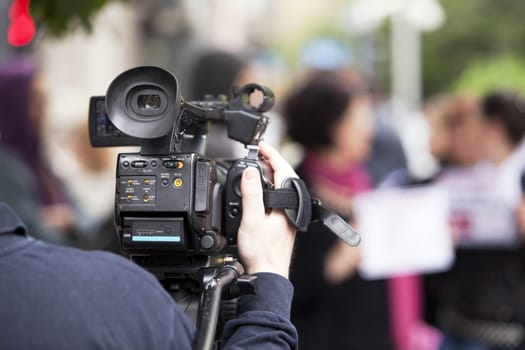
149,182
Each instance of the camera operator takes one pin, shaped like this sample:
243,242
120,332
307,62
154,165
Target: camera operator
55,297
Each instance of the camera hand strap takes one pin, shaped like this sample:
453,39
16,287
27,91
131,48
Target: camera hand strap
301,209
294,198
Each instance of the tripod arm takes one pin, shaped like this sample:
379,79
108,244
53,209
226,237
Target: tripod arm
210,304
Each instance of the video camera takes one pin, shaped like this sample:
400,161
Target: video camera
177,212
169,196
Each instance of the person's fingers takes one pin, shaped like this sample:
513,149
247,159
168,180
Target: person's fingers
252,195
280,166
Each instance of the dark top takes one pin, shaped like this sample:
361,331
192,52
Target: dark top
351,315
54,297
483,284
18,188
387,151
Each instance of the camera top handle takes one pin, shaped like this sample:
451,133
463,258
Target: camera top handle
145,104
245,123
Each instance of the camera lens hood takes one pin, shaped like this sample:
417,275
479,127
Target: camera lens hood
144,102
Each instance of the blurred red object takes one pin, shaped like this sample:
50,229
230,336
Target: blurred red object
22,28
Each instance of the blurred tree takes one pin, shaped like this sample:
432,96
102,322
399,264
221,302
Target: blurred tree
475,32
504,72
62,16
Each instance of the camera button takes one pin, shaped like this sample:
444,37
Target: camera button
173,164
139,164
235,211
237,185
207,242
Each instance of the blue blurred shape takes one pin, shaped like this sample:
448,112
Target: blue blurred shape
325,53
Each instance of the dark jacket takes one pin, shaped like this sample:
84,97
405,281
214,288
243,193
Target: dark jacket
54,297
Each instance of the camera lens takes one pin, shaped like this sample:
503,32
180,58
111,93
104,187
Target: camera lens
149,102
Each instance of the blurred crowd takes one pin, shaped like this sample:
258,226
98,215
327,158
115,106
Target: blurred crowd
478,300
349,147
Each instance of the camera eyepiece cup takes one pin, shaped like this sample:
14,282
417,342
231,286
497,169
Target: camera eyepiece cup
144,102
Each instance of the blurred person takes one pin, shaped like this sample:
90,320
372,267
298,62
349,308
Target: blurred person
388,153
479,304
55,297
18,188
503,131
215,72
454,142
22,105
521,209
455,130
93,187
329,115
454,138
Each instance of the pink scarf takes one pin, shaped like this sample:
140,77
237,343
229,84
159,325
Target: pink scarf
350,180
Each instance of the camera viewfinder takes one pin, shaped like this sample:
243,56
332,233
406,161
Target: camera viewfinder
149,102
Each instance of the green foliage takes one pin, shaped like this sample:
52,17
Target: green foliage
62,16
485,76
474,31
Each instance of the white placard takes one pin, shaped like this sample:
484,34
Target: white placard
404,231
481,214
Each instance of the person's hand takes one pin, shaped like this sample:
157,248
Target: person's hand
341,262
265,241
59,217
334,198
520,217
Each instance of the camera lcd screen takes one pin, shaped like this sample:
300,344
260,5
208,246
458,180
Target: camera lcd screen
149,230
102,132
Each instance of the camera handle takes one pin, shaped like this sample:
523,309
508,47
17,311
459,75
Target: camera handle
216,282
301,210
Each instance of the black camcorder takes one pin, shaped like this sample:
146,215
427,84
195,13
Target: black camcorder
169,196
177,211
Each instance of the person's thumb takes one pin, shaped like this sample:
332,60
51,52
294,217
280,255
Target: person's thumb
252,194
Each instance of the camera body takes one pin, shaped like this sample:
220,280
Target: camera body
171,198
168,203
176,203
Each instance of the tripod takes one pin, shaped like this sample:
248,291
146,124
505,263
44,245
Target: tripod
199,287
227,278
